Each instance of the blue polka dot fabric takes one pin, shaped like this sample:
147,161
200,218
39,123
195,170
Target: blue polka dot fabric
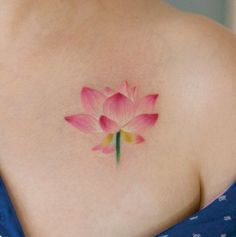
218,219
9,223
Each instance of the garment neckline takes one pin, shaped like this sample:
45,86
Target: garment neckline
208,205
217,197
196,213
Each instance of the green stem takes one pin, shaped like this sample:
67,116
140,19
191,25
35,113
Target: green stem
117,147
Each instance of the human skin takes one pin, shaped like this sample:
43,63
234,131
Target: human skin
49,50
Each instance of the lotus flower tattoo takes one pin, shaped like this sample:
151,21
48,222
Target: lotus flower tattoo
119,114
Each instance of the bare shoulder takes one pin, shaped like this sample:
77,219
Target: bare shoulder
204,63
200,84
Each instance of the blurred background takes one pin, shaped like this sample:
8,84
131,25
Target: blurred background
222,11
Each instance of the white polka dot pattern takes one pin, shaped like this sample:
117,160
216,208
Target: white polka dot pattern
218,219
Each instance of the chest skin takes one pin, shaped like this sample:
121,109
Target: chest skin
58,185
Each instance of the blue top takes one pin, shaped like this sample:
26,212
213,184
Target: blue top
218,219
9,223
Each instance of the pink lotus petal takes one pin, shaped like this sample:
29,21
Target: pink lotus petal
84,122
132,93
131,138
124,88
141,122
139,139
97,147
128,90
92,101
108,125
108,149
119,108
108,91
104,149
146,104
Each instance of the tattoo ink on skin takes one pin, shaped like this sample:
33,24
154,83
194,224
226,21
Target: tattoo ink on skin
119,114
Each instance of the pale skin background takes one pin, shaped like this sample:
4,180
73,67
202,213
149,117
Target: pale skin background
49,50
